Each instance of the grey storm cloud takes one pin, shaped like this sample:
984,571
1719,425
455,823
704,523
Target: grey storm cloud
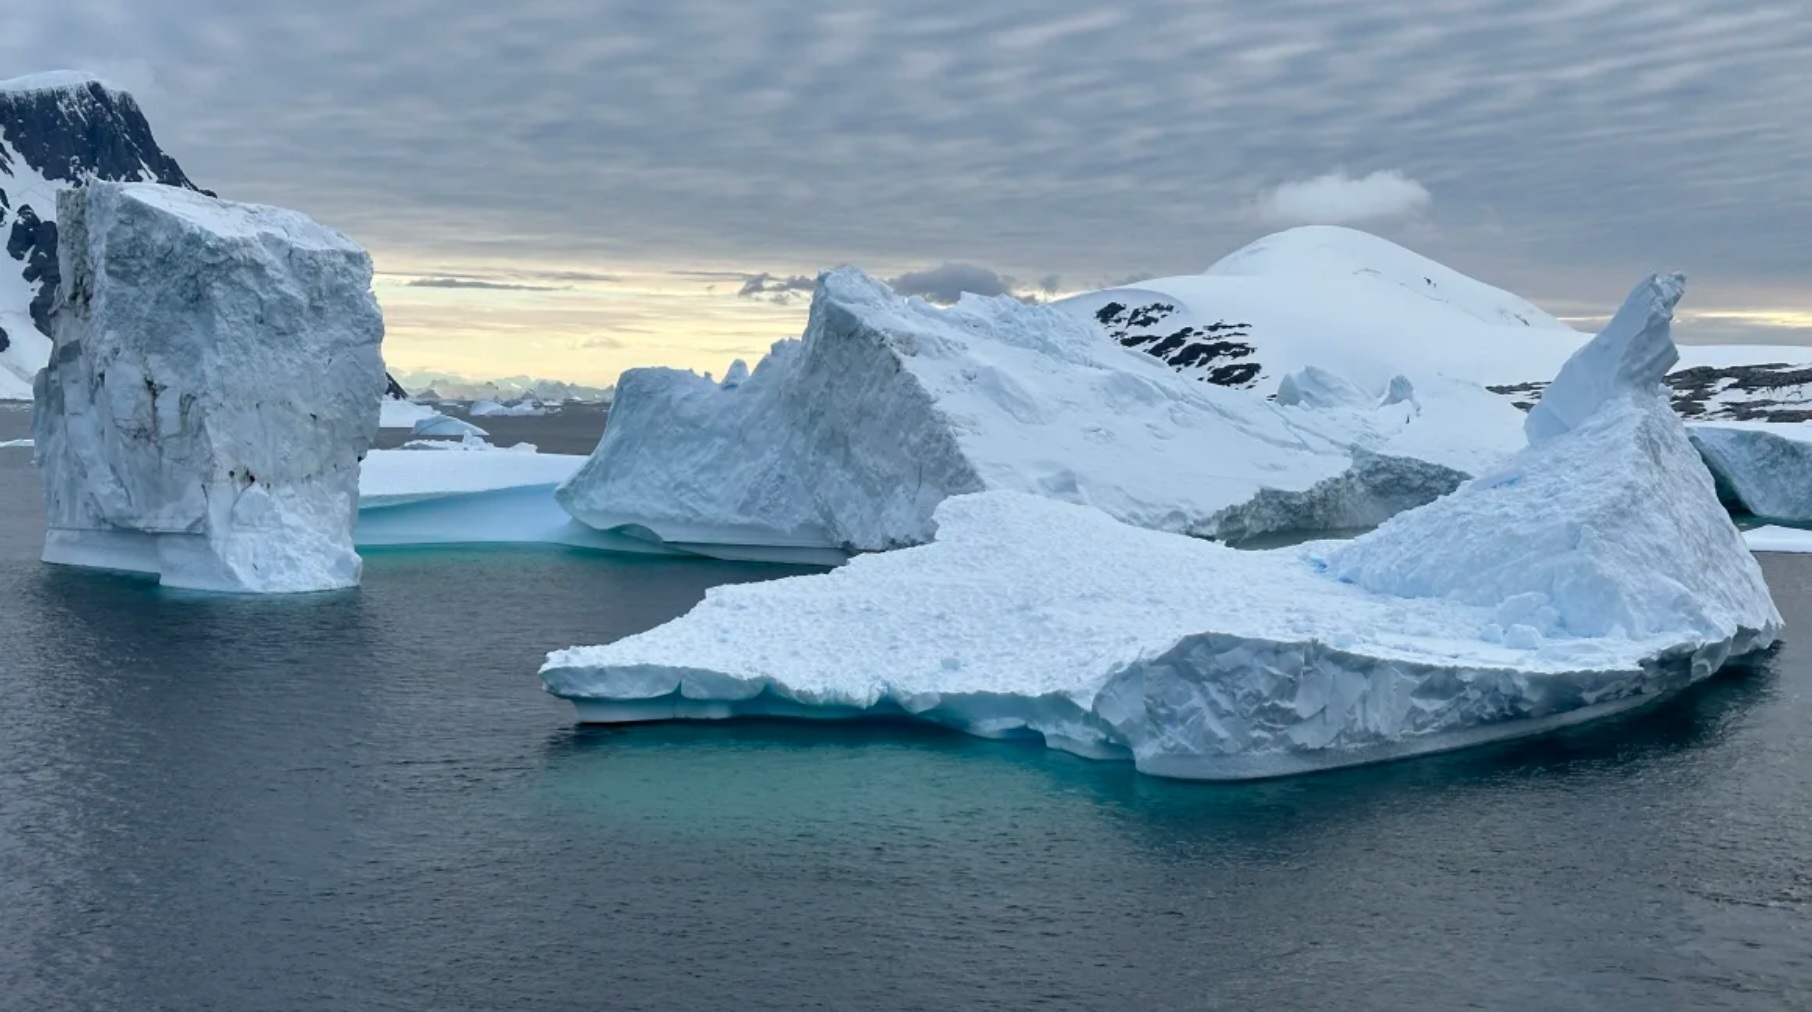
1568,144
949,282
769,284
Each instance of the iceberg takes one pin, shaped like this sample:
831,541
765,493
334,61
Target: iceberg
846,440
446,426
528,408
214,383
477,495
1763,469
400,413
1591,572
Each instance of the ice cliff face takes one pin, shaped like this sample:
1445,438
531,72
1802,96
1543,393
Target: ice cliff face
847,439
214,384
1594,572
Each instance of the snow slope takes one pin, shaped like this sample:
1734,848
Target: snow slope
1594,572
397,413
1337,299
1365,309
848,439
215,382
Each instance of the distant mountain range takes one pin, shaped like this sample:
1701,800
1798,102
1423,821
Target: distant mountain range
430,385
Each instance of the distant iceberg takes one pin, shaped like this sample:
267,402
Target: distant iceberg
437,424
528,408
1589,573
1762,469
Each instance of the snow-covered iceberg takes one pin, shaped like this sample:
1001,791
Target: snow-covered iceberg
1589,573
214,383
846,440
1761,469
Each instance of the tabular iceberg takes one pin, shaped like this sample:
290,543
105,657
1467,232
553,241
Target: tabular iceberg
1591,572
846,440
214,383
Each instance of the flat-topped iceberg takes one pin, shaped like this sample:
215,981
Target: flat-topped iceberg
214,384
847,440
1589,573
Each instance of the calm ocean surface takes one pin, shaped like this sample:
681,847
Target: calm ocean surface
364,801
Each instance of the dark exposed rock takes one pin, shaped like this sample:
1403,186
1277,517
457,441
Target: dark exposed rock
85,131
1764,392
1204,351
395,389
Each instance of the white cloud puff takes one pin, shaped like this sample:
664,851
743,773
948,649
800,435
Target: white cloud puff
1338,199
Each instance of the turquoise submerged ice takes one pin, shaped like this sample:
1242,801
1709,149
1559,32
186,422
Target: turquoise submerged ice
1588,573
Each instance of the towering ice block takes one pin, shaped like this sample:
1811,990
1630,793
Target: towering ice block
1591,572
213,386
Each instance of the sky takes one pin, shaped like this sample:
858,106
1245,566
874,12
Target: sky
569,188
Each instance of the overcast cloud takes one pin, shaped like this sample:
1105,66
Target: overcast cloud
1567,146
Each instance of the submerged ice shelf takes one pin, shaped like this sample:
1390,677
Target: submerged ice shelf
1591,572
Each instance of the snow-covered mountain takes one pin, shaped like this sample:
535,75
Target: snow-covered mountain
1366,309
57,130
1336,299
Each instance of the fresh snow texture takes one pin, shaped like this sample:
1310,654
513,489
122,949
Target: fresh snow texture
848,439
215,382
1592,572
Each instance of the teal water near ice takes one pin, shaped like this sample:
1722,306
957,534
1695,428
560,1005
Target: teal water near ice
365,801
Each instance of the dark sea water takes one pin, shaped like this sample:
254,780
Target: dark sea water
364,801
